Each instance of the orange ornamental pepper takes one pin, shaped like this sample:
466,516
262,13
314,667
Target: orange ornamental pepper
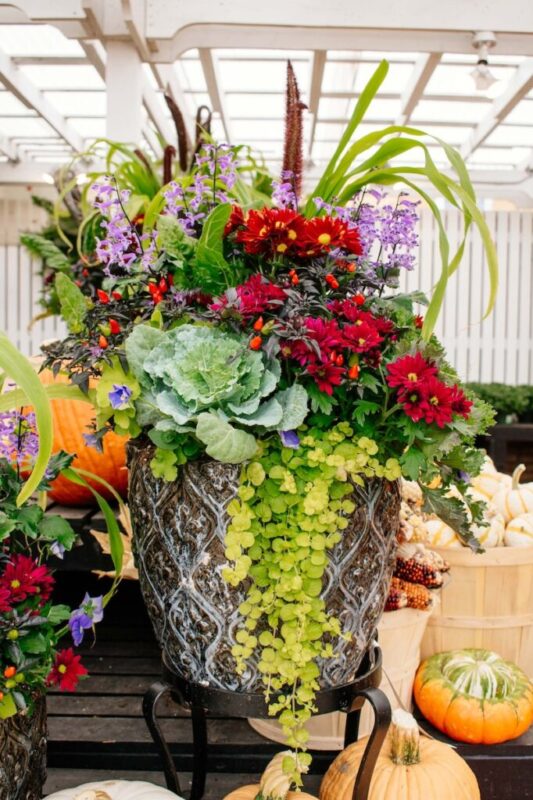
333,282
9,672
353,372
258,324
256,342
359,299
102,342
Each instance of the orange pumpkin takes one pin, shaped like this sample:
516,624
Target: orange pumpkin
407,768
474,696
72,419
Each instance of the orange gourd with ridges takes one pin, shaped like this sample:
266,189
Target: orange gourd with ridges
72,419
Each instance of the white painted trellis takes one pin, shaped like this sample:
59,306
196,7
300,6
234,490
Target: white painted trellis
499,348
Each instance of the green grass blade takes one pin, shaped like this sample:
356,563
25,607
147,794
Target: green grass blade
61,391
19,369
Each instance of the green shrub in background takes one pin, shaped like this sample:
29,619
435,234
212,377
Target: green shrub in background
511,403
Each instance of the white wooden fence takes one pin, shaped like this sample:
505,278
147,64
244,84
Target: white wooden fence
499,348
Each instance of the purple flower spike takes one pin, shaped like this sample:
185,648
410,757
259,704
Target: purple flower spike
85,617
290,439
119,397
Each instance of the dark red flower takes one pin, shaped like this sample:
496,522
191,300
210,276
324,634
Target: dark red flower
67,671
460,403
273,231
5,600
408,371
418,321
412,400
326,375
362,337
323,234
236,220
23,578
437,402
258,295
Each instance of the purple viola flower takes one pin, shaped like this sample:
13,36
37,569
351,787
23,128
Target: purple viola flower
119,396
19,440
91,440
289,439
58,549
85,617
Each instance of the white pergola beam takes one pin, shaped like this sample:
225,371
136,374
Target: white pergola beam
124,92
315,89
517,88
153,104
17,83
210,69
423,69
8,148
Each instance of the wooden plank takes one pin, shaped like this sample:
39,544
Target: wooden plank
98,665
109,730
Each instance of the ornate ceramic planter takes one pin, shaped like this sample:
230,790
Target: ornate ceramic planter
23,754
179,532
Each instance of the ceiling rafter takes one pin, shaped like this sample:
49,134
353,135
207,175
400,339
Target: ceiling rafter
166,77
518,87
315,89
8,148
423,69
27,93
211,71
154,109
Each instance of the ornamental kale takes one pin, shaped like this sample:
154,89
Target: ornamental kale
200,379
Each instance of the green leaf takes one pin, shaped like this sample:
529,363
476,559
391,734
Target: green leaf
43,248
139,343
294,404
363,408
33,643
412,461
116,544
210,244
57,529
8,707
224,442
73,302
13,363
58,614
453,512
320,401
60,391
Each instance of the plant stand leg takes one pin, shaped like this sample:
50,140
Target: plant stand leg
200,745
382,717
353,718
150,701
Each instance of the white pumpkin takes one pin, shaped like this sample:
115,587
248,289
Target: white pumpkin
115,790
441,535
519,531
488,466
492,532
488,483
515,500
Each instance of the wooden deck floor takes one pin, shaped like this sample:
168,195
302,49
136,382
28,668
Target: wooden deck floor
99,731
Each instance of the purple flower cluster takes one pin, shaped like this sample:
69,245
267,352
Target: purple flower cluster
283,193
191,201
19,441
388,231
122,245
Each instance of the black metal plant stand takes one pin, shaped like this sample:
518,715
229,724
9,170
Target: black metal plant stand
205,700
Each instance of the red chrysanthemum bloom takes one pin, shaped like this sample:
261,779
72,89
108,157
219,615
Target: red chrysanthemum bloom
407,372
5,600
326,375
236,220
258,294
274,231
23,578
67,670
323,234
362,337
411,400
437,402
460,403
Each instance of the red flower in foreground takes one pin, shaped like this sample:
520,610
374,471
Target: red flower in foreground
407,372
23,577
437,402
254,297
274,231
326,376
67,671
362,338
5,598
323,234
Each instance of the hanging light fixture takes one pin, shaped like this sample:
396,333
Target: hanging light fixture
483,78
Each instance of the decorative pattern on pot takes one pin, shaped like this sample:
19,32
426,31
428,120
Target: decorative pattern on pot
179,531
23,754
